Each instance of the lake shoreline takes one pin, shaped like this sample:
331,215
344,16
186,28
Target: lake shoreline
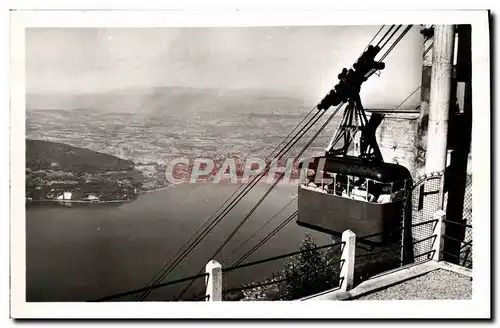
225,183
139,193
59,201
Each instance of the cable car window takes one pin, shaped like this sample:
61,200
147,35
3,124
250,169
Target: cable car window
385,193
318,182
358,187
379,192
329,183
341,185
355,187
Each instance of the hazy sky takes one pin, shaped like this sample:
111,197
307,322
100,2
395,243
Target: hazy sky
304,61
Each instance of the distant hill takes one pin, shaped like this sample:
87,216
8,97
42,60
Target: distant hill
164,101
42,155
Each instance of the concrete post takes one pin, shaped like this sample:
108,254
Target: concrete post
439,102
439,231
347,264
459,138
214,281
423,119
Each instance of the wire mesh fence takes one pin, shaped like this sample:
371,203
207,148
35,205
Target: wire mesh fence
424,202
466,249
467,213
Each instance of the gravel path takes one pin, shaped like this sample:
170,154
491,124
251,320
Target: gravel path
435,285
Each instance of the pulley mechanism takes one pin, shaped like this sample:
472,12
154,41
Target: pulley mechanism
350,82
354,119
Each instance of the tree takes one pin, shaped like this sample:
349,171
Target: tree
307,273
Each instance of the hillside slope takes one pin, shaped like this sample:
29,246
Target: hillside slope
54,169
43,155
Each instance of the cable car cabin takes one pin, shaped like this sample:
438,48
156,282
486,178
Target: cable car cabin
342,193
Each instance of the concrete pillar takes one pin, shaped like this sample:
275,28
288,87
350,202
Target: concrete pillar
439,102
425,89
214,281
459,138
347,264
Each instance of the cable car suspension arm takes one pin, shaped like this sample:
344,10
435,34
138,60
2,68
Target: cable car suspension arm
348,90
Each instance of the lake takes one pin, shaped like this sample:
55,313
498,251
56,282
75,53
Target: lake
88,251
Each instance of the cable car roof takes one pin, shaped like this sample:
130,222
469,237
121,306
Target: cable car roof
382,172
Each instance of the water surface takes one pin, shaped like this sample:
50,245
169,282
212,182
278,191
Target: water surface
89,251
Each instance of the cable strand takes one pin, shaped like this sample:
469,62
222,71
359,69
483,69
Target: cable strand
226,241
235,201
